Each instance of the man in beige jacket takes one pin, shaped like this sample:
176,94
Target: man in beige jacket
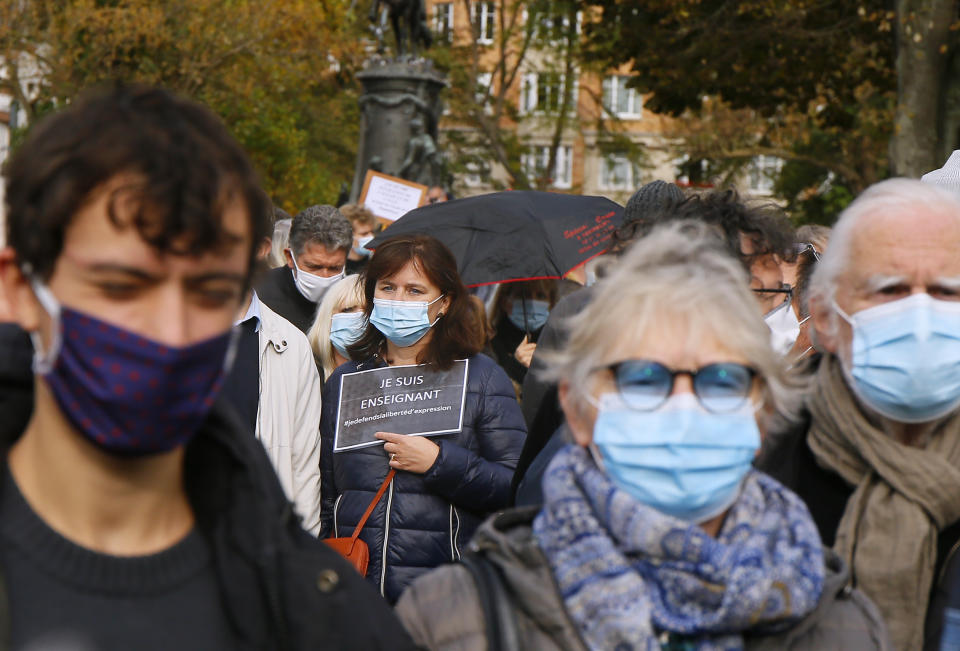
283,404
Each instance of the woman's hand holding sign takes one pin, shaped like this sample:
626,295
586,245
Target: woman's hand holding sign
410,453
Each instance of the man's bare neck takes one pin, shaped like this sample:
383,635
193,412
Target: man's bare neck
111,505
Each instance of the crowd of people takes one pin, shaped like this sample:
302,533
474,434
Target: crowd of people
725,433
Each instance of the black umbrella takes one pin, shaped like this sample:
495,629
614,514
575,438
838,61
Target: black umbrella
510,236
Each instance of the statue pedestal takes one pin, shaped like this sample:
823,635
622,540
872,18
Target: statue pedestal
394,94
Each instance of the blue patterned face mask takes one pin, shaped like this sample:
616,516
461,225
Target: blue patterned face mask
345,329
126,394
679,459
535,316
905,358
402,322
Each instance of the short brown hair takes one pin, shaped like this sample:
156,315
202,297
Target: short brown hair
358,215
453,336
523,289
187,163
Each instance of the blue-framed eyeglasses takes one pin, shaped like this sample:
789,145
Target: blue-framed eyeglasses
645,385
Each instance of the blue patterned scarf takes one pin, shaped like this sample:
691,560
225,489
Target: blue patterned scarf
632,577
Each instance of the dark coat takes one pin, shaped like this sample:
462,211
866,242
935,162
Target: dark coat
541,406
281,588
443,610
786,456
278,290
423,520
16,377
504,345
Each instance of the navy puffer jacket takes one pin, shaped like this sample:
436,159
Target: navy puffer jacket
423,521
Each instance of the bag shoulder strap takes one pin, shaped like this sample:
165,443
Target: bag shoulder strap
373,504
498,613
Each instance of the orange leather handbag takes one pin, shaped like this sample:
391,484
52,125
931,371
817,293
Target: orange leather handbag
353,549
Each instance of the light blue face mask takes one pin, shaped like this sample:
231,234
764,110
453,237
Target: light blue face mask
402,322
905,358
345,329
679,459
360,248
536,315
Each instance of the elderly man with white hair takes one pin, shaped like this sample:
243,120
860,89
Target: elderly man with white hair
878,458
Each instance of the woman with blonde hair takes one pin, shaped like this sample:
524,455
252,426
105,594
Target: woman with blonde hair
340,321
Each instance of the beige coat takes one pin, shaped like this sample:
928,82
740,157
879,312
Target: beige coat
442,610
288,417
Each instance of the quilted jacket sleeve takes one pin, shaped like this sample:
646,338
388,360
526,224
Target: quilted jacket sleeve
480,480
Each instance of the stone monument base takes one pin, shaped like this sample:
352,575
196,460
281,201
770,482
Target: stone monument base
400,108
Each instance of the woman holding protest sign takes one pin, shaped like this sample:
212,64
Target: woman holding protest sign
416,371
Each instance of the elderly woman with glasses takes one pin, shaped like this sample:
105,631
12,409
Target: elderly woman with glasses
655,532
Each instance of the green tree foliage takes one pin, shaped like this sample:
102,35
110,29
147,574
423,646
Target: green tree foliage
279,72
486,120
814,82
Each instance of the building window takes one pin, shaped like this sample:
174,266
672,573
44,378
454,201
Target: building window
762,173
551,22
617,172
543,92
484,91
474,174
534,164
443,21
484,21
620,100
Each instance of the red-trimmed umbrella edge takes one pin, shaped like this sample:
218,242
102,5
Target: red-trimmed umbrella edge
523,280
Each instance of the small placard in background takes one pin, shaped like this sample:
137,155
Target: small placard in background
389,197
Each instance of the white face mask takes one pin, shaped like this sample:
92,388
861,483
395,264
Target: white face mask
312,286
784,327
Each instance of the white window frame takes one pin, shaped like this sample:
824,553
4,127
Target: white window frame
762,172
618,159
535,27
535,161
443,13
556,35
473,174
530,93
613,86
481,93
485,18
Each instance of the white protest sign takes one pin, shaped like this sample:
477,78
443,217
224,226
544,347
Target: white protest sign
389,197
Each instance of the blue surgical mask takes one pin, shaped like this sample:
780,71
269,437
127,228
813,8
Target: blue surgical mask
360,248
679,459
905,358
404,323
346,328
536,314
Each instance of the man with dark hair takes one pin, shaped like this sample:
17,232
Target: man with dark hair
320,238
134,511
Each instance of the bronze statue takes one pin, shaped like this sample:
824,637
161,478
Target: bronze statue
409,21
418,164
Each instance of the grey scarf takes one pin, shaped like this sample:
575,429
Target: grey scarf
903,497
